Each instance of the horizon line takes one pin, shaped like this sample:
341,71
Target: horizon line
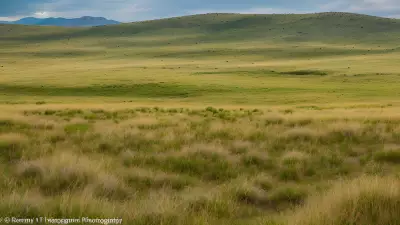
14,19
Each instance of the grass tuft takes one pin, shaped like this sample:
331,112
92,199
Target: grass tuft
59,173
367,200
12,146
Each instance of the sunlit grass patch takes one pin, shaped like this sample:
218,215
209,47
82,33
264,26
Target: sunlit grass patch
111,187
59,173
367,200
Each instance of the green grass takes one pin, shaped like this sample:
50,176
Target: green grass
205,119
264,56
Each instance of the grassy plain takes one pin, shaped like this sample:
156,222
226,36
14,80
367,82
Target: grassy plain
210,119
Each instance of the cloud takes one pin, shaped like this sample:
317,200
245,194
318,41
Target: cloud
9,18
116,9
41,14
14,8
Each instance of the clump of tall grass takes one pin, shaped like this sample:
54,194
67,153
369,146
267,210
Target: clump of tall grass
58,173
367,201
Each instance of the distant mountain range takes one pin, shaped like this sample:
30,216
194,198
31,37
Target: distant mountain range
85,21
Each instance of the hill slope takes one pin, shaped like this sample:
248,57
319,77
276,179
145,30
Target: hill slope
191,57
325,27
224,27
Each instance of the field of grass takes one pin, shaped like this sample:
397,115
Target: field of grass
207,119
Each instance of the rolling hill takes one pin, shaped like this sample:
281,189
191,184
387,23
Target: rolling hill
183,51
85,21
326,27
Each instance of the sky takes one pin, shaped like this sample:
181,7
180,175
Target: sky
136,10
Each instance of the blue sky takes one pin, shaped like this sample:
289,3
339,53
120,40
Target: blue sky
134,10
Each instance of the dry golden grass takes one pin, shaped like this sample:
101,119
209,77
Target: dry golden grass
366,200
60,172
196,166
13,138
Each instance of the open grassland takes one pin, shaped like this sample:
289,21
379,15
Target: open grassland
202,165
209,119
206,59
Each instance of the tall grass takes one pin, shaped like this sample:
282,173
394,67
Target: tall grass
366,200
192,166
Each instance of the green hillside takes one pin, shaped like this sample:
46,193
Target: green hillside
188,58
223,27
